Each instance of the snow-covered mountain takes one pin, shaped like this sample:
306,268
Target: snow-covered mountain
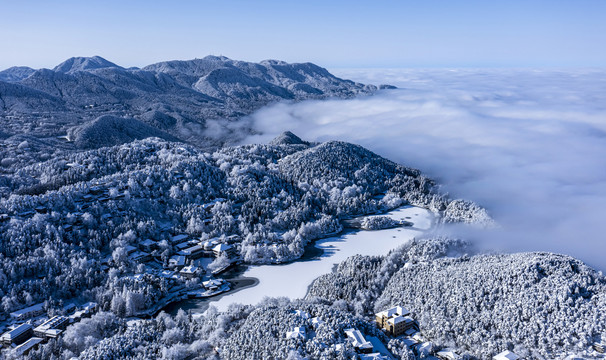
48,103
16,73
76,64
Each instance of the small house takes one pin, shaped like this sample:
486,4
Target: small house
41,209
506,355
358,341
69,308
89,307
424,349
222,249
166,274
190,272
448,354
298,332
213,284
176,261
182,246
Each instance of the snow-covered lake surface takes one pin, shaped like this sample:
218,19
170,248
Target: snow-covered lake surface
292,280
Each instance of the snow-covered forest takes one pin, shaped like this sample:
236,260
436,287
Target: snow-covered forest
66,216
539,305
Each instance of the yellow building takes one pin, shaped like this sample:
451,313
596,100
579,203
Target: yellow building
395,320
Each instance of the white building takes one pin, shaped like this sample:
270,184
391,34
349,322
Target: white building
222,249
448,354
176,261
190,272
212,284
394,311
28,312
52,328
506,355
358,341
299,332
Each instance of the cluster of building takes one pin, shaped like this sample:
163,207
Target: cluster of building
188,250
398,322
25,336
365,349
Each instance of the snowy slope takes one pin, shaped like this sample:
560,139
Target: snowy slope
16,73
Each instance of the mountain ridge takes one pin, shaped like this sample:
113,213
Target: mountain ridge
192,92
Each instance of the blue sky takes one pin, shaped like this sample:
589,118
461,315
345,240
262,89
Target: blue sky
334,34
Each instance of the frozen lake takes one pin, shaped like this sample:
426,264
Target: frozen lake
292,280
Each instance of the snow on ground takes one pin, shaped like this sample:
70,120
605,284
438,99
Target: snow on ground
292,280
412,214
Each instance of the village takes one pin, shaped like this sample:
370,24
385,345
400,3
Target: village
189,271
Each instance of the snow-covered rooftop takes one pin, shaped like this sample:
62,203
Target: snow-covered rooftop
33,308
26,346
16,331
222,248
358,339
506,355
448,354
399,319
299,332
189,269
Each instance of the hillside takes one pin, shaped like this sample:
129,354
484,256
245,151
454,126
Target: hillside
118,196
539,305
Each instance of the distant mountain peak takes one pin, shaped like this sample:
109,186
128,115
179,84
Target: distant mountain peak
75,64
288,138
16,73
216,58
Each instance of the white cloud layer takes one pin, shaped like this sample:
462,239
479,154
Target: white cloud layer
528,145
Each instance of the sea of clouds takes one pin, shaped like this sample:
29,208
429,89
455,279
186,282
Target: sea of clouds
529,145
